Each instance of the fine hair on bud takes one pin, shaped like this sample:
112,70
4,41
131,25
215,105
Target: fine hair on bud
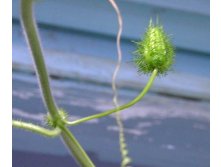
154,51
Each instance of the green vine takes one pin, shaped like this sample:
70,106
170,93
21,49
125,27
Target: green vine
154,55
29,26
36,129
127,105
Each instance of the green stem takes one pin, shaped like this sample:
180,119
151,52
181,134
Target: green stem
31,34
108,112
29,25
75,148
36,129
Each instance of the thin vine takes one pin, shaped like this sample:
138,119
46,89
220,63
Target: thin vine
126,160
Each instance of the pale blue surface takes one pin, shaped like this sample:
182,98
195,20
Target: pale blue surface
190,29
174,140
88,27
100,46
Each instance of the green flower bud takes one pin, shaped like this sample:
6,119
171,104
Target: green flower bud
155,51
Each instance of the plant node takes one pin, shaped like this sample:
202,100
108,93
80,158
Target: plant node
54,123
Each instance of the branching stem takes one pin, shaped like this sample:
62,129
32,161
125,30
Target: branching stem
30,31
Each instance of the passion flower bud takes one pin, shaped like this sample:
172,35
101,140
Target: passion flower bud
155,51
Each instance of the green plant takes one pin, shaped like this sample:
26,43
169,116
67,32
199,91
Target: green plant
154,55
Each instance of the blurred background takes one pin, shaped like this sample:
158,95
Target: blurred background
168,128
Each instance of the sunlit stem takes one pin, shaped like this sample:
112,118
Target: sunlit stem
75,148
127,105
36,129
30,31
